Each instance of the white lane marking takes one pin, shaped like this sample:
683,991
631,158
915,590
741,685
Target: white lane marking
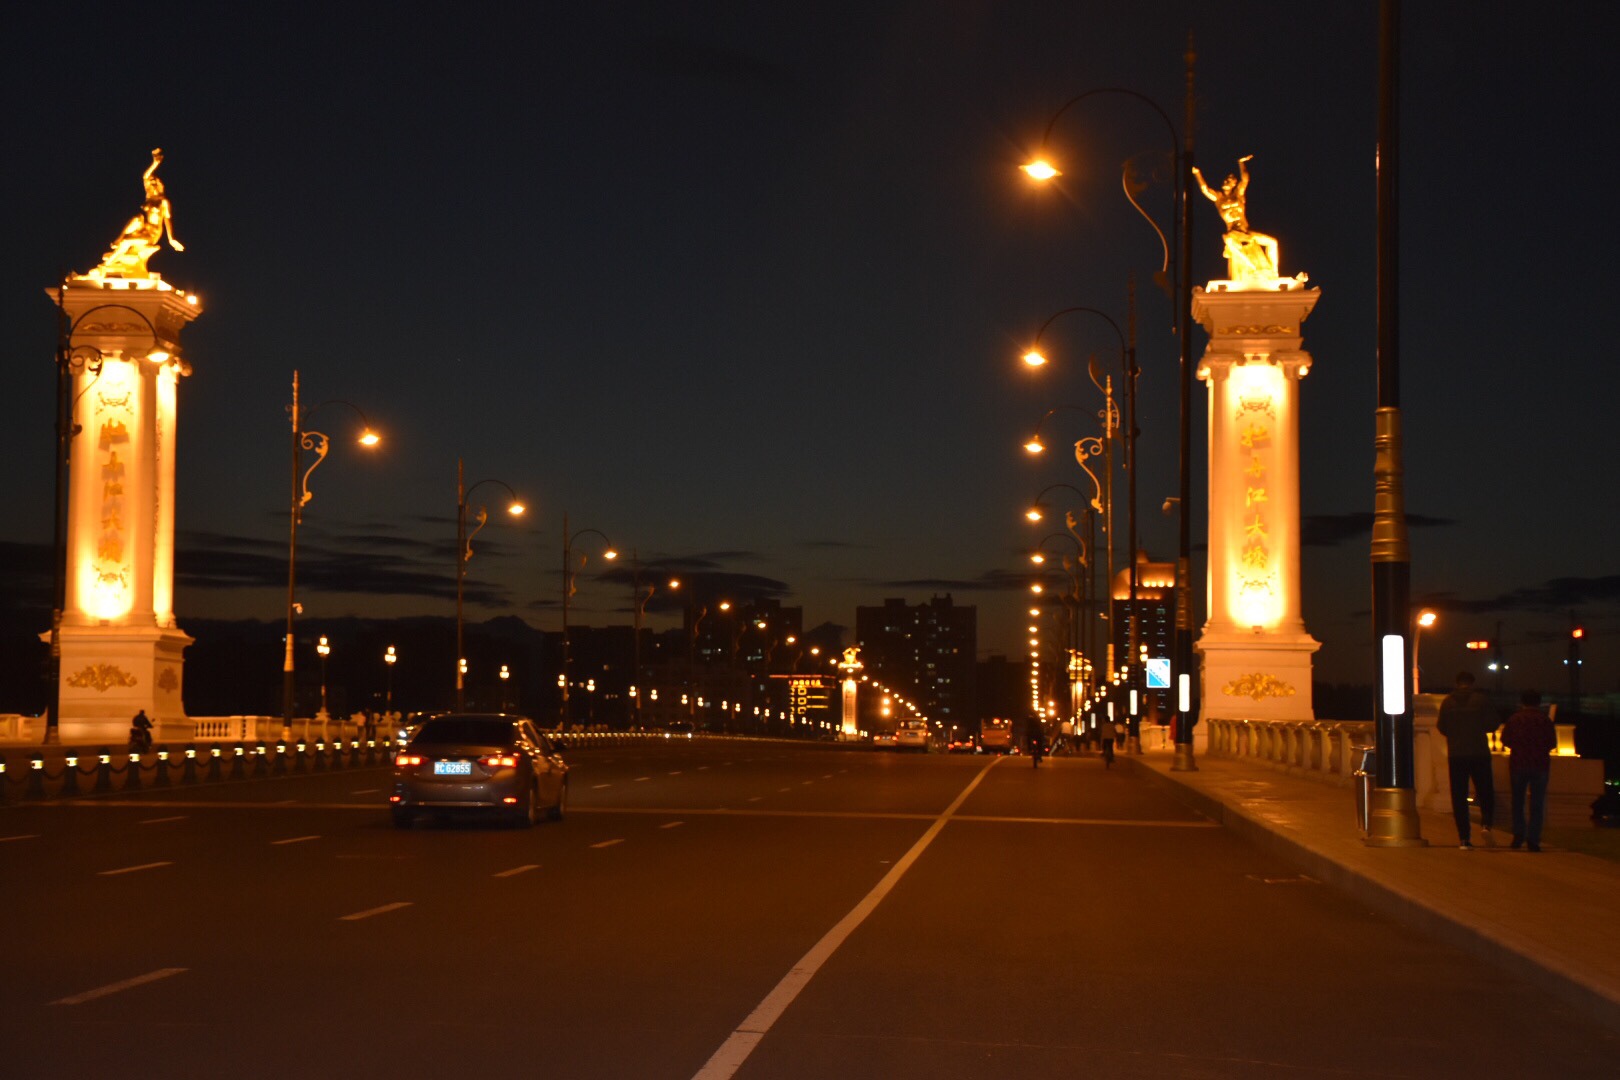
366,791
161,820
369,912
806,783
677,772
132,869
285,802
702,767
516,870
755,798
294,840
639,779
735,1050
782,789
113,988
608,843
672,824
599,787
20,836
829,776
725,763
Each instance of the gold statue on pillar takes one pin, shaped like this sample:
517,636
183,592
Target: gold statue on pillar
1251,257
144,234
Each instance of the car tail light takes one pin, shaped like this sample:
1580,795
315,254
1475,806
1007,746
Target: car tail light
402,760
499,761
510,800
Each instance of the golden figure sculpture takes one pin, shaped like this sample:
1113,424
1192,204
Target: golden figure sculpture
1251,257
144,234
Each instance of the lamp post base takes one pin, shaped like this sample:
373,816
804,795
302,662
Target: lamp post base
1184,762
1393,819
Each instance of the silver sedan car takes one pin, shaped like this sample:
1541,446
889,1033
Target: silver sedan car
492,762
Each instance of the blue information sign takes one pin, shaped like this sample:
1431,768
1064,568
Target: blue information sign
1158,673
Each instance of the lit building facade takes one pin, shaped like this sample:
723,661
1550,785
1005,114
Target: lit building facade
1154,616
927,650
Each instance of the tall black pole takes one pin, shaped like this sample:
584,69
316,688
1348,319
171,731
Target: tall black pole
289,677
1133,644
64,451
1393,818
1187,715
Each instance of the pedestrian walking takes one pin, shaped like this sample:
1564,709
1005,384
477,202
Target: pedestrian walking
1105,735
1530,738
1467,719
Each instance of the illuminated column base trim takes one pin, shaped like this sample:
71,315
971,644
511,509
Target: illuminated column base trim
1393,819
111,672
1253,677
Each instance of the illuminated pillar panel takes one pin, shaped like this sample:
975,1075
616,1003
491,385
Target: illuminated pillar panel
1255,652
121,649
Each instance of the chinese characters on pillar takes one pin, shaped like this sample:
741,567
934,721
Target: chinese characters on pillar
1257,574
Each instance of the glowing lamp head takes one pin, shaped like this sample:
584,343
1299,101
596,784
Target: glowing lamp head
1035,358
1040,170
369,438
1037,558
1036,588
516,509
1033,513
1426,618
159,356
1035,446
610,554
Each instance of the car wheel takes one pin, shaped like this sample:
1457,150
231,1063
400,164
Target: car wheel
556,812
531,806
402,818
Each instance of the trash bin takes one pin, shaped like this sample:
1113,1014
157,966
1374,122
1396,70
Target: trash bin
1366,764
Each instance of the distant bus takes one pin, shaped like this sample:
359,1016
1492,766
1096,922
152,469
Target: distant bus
995,736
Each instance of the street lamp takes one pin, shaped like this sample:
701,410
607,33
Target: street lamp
305,439
506,674
568,572
463,553
1424,620
1042,170
389,658
325,650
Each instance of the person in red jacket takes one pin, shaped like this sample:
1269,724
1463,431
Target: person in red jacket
1531,737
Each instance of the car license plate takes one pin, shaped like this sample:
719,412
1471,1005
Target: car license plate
452,768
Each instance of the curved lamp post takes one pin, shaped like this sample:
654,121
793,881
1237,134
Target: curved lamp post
568,572
1042,170
463,553
303,438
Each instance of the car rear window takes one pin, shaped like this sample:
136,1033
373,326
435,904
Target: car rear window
458,731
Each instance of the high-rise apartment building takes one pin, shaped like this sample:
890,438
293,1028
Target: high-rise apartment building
927,651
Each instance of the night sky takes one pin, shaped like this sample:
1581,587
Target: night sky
744,287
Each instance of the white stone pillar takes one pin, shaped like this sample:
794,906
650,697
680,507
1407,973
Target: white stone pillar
121,649
1256,655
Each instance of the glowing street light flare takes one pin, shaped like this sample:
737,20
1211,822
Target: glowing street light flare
1035,446
1040,169
1034,358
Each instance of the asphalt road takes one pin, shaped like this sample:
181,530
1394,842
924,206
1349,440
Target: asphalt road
717,909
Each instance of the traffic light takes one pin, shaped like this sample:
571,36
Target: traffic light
1478,645
1577,633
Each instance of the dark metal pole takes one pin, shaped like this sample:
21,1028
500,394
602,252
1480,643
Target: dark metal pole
289,676
461,576
64,453
1393,818
1133,650
1183,666
567,588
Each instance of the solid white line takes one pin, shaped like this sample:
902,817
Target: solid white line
21,836
161,820
516,870
293,840
368,913
735,1050
672,824
608,843
132,869
113,988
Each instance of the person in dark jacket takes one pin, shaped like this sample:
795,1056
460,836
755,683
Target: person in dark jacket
1530,738
1467,719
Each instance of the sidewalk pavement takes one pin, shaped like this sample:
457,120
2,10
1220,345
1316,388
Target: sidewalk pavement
1552,917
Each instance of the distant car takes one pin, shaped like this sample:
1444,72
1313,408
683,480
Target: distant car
884,740
912,735
489,762
680,729
962,746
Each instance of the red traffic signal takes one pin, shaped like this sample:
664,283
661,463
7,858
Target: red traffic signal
1578,632
1477,645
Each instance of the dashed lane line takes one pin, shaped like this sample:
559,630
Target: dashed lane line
132,869
639,779
608,843
293,840
516,870
672,824
113,988
161,820
599,787
20,836
369,912
366,791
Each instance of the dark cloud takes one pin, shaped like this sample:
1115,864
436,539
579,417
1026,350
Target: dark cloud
1557,594
1330,530
685,58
